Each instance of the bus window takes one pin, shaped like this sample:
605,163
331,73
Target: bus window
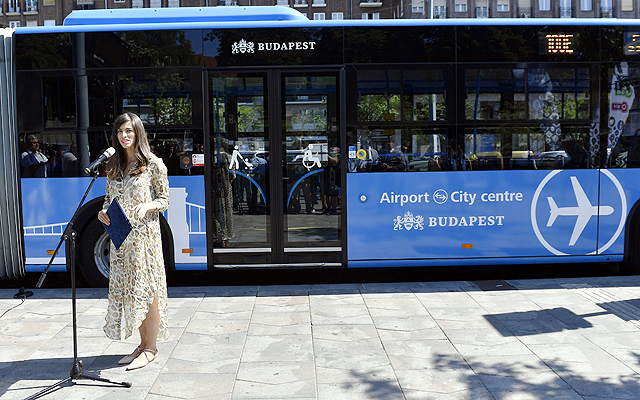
59,101
102,109
494,93
427,149
527,148
624,113
553,93
58,152
159,99
397,150
150,48
401,95
559,93
378,95
181,151
423,93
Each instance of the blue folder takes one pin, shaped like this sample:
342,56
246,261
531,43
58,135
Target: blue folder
120,226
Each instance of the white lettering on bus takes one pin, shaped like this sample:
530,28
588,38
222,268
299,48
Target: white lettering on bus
499,197
402,199
286,46
463,197
480,220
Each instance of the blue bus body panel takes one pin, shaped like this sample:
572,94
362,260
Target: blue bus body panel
48,204
414,219
457,262
187,218
434,216
46,216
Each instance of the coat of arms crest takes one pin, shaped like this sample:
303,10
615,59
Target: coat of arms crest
242,47
408,222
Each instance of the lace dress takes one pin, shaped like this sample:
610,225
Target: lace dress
137,268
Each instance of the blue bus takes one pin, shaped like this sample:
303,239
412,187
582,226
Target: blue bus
340,144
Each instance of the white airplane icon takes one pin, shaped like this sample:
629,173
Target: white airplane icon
584,211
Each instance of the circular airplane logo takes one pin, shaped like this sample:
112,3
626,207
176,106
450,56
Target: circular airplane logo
569,208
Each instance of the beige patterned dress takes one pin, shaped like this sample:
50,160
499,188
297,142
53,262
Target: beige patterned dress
137,268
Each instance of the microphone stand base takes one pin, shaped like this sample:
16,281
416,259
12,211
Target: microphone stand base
76,373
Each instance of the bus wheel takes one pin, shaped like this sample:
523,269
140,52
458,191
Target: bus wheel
632,265
94,254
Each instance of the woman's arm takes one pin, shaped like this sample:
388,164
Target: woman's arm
160,184
102,215
160,190
107,196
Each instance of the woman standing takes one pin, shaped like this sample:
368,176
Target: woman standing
137,281
223,194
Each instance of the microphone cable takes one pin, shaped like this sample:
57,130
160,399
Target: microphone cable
22,294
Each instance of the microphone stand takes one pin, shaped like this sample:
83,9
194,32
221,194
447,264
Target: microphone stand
76,370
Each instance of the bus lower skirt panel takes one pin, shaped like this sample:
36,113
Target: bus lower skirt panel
443,262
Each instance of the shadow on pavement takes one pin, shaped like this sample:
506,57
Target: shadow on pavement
508,379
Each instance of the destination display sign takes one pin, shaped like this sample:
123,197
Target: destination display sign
558,43
632,43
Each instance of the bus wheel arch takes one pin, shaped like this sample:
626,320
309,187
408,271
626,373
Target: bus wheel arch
93,247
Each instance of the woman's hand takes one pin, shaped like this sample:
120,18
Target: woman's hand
142,209
104,218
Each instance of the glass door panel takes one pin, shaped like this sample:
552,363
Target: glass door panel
311,173
240,170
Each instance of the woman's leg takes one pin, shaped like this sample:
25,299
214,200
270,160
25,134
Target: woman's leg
143,334
151,326
148,337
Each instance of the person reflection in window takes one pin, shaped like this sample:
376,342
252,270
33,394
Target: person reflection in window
393,159
259,171
223,195
331,176
70,162
583,157
34,162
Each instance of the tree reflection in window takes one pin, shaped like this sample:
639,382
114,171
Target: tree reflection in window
159,99
396,95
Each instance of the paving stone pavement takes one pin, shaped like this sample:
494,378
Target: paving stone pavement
535,339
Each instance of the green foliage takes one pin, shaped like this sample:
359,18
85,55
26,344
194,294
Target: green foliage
165,95
251,117
374,107
172,111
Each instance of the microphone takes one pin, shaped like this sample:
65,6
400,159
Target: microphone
105,156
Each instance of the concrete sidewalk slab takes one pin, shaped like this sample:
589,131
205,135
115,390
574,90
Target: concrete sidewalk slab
522,339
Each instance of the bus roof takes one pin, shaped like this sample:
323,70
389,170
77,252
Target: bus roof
269,17
181,15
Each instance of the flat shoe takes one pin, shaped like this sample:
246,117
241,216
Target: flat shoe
128,359
145,357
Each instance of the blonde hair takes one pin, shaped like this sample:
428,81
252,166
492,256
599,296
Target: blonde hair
118,162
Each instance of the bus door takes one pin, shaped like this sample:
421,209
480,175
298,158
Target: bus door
274,179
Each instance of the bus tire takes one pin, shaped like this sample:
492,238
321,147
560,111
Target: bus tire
631,264
95,247
94,254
